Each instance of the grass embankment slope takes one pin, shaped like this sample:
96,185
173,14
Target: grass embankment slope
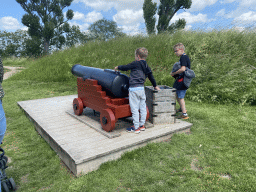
218,155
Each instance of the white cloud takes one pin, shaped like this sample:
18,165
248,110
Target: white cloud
131,29
78,16
98,5
83,27
227,1
244,6
248,3
187,27
246,18
198,5
220,13
129,20
190,18
243,15
93,16
10,23
89,18
86,20
128,17
105,5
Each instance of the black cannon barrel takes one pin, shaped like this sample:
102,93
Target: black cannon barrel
113,82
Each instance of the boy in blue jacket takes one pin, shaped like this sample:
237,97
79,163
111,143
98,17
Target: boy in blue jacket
137,98
179,85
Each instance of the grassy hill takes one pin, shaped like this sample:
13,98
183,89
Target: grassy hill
224,62
218,155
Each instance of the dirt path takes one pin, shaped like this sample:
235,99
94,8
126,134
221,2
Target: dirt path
13,71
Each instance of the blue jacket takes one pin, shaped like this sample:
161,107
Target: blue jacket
188,76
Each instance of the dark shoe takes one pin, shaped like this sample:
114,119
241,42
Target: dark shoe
184,116
130,129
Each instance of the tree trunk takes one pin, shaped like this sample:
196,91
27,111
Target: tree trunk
46,46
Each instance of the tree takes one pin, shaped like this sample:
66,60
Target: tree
149,11
20,43
166,11
11,50
11,43
104,30
75,36
32,47
44,19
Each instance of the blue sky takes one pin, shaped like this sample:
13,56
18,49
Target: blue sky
128,14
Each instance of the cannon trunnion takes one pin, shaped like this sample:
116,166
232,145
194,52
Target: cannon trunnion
104,91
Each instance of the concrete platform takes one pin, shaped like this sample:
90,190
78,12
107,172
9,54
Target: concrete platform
81,147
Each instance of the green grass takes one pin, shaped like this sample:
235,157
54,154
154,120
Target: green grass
17,62
222,140
6,70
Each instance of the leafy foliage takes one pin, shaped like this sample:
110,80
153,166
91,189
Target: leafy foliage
104,30
20,44
166,11
45,19
32,47
12,43
149,10
75,36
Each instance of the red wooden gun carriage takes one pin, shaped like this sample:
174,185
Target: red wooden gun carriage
105,91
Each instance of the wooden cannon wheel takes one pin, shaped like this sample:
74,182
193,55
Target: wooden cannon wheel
107,120
78,106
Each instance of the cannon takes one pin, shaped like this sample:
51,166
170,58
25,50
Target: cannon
105,91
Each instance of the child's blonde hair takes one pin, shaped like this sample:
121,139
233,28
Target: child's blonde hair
179,46
142,52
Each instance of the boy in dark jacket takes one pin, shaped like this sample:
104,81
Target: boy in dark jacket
179,85
137,98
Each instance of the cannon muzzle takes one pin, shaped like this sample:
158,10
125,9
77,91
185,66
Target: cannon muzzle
113,82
